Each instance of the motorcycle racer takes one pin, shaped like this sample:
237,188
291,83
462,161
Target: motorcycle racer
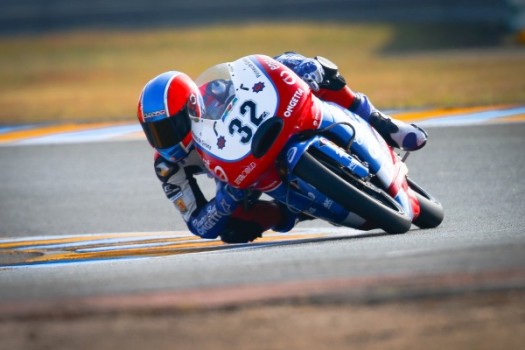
164,109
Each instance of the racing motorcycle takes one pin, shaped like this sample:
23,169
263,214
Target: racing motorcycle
263,130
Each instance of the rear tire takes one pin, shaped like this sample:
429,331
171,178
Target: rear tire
431,211
353,194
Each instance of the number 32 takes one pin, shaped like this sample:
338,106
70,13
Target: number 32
236,125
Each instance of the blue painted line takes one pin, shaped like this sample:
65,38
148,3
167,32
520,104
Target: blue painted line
12,128
472,118
60,263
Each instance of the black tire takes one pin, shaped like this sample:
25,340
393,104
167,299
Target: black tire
353,194
432,213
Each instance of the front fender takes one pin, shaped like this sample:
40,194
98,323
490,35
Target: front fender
295,149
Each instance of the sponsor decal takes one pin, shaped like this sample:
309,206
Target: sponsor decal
229,108
328,203
273,65
181,205
154,114
293,102
271,186
201,142
193,110
208,221
252,67
288,78
206,163
340,152
291,154
221,142
163,169
258,87
226,208
220,173
353,165
171,190
245,173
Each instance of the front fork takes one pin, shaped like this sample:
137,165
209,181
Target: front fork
300,196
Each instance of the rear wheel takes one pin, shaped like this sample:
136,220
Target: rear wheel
431,211
360,197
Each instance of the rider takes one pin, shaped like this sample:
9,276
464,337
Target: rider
165,105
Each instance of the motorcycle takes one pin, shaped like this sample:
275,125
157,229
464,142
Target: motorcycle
263,130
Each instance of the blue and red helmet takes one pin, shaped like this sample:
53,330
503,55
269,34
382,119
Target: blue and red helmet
165,106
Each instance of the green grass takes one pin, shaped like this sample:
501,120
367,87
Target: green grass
94,76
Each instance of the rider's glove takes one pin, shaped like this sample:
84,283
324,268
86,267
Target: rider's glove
236,194
332,80
228,198
311,72
240,231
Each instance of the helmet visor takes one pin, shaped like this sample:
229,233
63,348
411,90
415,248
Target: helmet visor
168,132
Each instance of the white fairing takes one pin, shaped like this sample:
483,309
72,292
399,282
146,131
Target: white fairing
225,131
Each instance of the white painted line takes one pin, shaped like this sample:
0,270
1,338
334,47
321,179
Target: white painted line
472,118
95,135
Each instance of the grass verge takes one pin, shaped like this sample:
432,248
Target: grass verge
95,75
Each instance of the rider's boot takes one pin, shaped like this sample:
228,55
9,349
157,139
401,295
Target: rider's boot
398,134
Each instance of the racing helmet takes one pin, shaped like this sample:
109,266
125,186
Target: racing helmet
165,107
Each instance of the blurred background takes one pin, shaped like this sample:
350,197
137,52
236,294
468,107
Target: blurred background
63,60
45,15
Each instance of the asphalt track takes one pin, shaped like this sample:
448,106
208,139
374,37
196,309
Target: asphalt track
84,220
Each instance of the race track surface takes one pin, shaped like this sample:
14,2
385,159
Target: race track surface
88,221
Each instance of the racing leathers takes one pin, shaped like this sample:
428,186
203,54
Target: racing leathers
225,215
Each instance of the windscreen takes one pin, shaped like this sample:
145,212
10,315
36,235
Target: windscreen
217,90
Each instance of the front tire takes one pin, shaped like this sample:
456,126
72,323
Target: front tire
353,194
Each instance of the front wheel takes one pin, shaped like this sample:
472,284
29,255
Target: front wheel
353,194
